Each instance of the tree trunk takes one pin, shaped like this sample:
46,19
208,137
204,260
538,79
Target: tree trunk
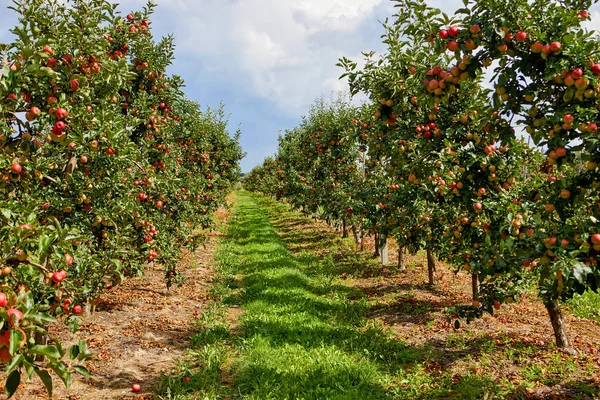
355,234
362,241
401,259
475,286
345,228
384,250
431,267
376,254
558,324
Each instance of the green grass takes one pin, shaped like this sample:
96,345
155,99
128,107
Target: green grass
304,333
586,305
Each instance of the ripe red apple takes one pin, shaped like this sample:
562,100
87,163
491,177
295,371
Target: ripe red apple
187,379
478,206
561,152
74,85
453,31
110,151
57,277
16,168
584,14
596,69
521,36
59,126
474,29
3,300
444,34
592,127
135,388
564,243
142,196
14,315
35,111
158,204
577,73
596,239
568,119
77,309
68,259
537,47
555,47
47,49
130,17
51,62
61,113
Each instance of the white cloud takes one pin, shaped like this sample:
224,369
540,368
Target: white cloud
283,51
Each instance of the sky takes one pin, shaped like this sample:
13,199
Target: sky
266,60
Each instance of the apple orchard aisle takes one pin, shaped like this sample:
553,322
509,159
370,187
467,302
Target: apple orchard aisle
298,298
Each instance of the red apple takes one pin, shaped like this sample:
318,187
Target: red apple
61,113
444,34
77,309
521,36
3,300
135,388
16,168
74,84
596,239
453,31
555,47
14,315
577,73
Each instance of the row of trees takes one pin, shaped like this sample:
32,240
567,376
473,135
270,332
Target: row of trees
435,160
105,166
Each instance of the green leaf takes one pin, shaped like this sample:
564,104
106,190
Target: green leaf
46,380
48,351
14,362
74,352
16,337
12,383
82,370
62,372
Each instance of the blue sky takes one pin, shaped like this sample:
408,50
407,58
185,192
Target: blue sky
266,60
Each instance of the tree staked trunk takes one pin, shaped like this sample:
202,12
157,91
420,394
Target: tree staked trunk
376,254
401,259
431,267
559,327
475,286
355,234
345,229
384,250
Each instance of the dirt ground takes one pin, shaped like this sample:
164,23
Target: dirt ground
138,331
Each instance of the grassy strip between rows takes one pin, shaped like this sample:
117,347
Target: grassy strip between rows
303,333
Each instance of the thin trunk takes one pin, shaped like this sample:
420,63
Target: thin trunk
401,259
475,286
376,254
558,324
431,267
384,250
355,234
362,241
345,228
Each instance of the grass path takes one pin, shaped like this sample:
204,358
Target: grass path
302,337
284,325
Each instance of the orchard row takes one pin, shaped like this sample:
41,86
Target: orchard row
436,160
106,166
